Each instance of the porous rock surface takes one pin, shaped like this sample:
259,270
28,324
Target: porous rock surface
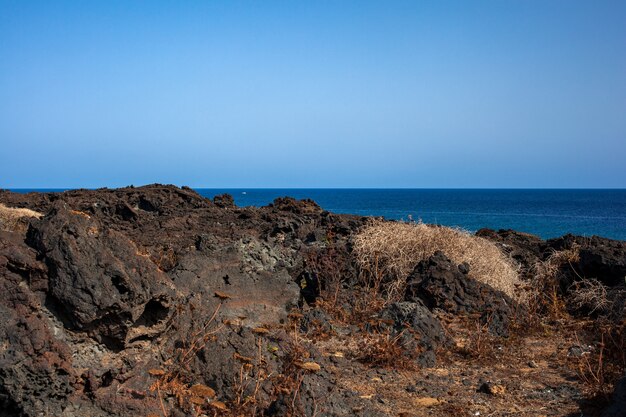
115,293
111,284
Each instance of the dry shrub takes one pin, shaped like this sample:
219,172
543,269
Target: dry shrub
553,264
590,294
480,343
175,378
12,219
544,289
388,251
331,268
605,363
288,383
385,350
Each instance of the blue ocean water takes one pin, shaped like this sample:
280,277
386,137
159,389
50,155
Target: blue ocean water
546,213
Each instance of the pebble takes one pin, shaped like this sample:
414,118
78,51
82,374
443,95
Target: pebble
492,389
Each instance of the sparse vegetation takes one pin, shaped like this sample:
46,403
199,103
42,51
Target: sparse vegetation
603,357
174,378
342,334
595,297
544,292
388,251
12,219
385,349
480,344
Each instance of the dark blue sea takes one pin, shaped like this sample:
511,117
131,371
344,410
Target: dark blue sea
547,213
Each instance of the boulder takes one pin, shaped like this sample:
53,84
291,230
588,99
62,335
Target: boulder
600,258
98,279
440,283
224,200
306,206
421,330
524,248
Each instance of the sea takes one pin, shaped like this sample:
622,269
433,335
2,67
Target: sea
546,213
543,212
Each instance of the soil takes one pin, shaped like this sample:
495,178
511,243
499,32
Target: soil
154,301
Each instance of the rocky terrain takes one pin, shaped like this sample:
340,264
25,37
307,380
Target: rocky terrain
155,301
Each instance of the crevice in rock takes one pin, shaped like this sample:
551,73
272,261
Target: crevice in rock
56,309
154,313
119,284
8,406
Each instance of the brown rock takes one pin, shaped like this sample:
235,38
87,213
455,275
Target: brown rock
203,391
426,402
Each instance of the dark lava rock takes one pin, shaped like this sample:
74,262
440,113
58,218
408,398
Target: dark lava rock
525,248
306,206
224,200
154,198
617,408
110,284
114,283
310,285
96,280
35,368
421,331
600,258
440,283
316,320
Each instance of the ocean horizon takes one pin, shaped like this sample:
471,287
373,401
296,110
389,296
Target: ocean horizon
547,213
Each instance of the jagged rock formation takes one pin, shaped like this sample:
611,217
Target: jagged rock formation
441,284
154,300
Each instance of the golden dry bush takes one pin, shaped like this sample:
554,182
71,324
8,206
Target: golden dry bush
549,268
595,297
544,294
11,219
388,251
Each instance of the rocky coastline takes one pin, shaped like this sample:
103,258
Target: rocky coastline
154,301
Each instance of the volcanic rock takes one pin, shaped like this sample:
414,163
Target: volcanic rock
425,333
600,258
440,283
98,278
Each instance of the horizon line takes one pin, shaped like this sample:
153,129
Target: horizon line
311,188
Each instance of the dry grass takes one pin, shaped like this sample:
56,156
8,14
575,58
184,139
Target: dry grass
11,219
175,379
592,295
544,290
605,362
388,251
385,350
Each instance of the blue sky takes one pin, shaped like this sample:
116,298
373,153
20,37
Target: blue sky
313,94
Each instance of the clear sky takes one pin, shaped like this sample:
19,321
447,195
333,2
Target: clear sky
313,93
